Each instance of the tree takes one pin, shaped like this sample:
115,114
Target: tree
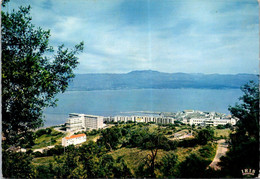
205,135
153,142
193,167
110,137
90,155
121,169
16,165
244,149
32,74
248,111
168,165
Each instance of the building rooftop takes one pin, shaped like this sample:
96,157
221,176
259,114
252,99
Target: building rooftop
75,136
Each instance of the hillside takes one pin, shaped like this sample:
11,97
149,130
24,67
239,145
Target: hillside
158,80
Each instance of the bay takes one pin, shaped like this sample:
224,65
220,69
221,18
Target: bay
113,102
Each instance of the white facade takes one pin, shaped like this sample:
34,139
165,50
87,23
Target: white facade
93,122
145,119
75,122
210,121
78,122
74,140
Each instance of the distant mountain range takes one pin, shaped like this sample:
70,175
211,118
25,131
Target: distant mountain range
158,80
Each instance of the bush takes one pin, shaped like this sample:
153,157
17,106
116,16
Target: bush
205,135
193,167
48,130
57,150
206,151
40,132
188,143
169,132
220,127
168,165
173,144
38,154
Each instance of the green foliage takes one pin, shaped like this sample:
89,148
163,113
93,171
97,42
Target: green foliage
188,143
46,137
168,165
206,151
30,79
221,127
121,169
87,161
193,167
57,150
228,125
110,137
153,142
43,171
152,158
244,150
41,132
205,135
248,111
16,164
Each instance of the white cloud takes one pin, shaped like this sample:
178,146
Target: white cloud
175,36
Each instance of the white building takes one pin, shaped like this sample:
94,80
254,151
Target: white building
93,122
74,140
210,121
75,122
78,122
145,119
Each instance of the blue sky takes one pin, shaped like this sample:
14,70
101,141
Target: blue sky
190,36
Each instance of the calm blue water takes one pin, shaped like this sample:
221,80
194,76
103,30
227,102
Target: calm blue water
112,102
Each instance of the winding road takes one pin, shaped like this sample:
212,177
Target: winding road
221,151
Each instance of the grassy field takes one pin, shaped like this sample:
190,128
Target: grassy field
222,132
134,156
48,139
92,138
213,152
42,160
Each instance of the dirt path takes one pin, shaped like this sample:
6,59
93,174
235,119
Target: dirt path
221,151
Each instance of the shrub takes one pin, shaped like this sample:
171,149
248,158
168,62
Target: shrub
206,151
188,143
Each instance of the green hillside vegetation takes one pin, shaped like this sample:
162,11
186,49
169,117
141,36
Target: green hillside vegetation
47,137
43,160
222,132
130,150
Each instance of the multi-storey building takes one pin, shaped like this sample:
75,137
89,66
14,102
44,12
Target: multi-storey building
210,121
74,140
145,119
77,122
93,122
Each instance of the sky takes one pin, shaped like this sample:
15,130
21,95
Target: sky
190,36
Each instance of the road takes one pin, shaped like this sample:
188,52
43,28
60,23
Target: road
221,151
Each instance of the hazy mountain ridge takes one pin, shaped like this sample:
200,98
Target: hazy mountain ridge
158,80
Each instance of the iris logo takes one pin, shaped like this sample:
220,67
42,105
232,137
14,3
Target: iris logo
248,172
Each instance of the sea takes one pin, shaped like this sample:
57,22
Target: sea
119,102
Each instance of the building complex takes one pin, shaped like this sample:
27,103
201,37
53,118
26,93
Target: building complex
79,122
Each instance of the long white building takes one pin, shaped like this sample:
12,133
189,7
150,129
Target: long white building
77,122
145,119
74,140
210,121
